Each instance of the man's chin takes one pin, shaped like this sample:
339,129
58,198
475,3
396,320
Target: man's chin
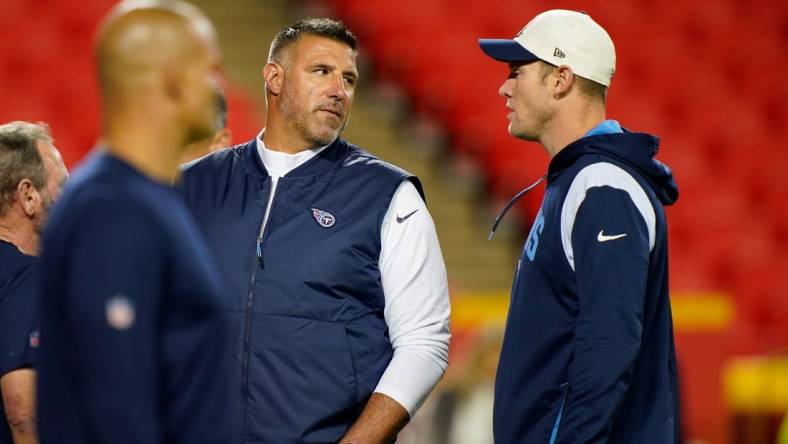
522,135
325,137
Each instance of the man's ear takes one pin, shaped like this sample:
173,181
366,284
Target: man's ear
273,73
562,81
28,197
173,77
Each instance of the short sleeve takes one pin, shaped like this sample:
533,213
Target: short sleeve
18,334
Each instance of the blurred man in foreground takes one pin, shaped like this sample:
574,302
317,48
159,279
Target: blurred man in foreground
32,175
337,287
588,352
131,349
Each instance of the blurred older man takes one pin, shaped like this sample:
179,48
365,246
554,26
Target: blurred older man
32,175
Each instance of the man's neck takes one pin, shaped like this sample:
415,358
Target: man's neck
570,126
145,146
279,136
25,239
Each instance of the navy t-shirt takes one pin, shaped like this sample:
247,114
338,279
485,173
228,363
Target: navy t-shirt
18,336
131,333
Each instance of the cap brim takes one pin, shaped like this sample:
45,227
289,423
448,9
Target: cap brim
506,50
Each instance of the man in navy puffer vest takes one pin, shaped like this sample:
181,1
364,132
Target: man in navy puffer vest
337,292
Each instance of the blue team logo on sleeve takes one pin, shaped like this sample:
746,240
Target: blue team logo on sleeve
533,237
323,218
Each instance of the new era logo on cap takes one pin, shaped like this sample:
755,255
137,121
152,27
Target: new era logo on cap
560,37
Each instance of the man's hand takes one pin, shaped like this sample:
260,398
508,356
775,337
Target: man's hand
18,390
379,423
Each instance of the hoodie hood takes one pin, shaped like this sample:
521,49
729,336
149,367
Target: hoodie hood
634,149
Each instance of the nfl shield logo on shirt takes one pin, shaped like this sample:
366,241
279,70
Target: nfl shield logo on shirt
120,312
34,339
323,218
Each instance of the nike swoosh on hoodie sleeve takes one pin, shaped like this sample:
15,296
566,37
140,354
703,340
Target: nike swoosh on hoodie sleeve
602,174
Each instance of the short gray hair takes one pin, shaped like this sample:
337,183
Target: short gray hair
20,159
317,26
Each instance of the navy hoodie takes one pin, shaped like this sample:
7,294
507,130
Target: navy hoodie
588,353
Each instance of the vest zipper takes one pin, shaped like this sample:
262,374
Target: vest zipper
248,327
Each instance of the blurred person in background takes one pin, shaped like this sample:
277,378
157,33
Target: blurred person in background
338,293
459,410
471,421
221,137
588,354
132,332
32,175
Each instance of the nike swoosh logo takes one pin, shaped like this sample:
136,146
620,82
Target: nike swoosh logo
602,238
402,219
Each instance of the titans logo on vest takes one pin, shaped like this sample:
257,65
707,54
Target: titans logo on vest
323,218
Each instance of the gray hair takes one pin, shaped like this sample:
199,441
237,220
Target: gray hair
20,159
321,27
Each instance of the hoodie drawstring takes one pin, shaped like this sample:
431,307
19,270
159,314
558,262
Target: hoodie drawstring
512,202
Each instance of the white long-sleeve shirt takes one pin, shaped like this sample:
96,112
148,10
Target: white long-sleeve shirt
415,287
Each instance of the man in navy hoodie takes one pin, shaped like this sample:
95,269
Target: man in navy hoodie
588,354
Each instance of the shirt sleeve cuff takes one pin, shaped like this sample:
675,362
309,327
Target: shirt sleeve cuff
409,379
